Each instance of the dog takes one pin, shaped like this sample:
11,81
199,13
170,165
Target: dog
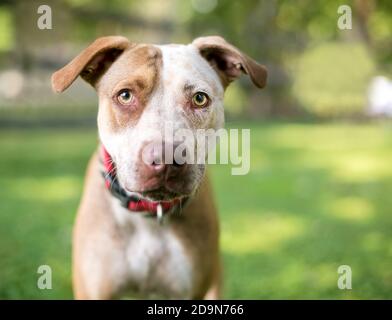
145,228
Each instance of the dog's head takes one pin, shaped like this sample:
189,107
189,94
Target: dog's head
143,89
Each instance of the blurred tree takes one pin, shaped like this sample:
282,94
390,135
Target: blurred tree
275,31
332,79
74,21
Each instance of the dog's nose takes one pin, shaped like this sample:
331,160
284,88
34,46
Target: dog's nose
158,157
153,157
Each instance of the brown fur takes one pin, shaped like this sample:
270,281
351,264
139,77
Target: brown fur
100,241
229,62
84,63
197,227
137,69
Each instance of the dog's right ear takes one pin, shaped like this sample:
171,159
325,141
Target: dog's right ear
91,63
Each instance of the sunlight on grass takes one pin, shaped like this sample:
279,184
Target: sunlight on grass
324,275
360,168
352,209
330,137
260,233
317,196
45,189
374,241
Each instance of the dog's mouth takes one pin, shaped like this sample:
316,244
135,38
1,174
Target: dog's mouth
160,194
155,200
150,201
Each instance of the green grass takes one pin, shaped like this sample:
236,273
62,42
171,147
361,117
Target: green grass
317,196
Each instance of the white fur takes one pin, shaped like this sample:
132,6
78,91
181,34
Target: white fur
155,258
181,64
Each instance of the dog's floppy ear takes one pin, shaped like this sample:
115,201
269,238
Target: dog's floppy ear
91,63
229,62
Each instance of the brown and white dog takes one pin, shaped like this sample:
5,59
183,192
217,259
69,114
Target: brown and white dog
118,250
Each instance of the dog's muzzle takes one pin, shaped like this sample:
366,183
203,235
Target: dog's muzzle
133,202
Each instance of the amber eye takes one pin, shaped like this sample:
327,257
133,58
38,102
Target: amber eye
200,99
125,97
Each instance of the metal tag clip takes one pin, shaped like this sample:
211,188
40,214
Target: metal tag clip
159,214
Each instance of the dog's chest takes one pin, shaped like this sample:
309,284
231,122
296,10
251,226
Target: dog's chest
156,260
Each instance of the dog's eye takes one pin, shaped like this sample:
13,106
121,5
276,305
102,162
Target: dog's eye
125,97
200,99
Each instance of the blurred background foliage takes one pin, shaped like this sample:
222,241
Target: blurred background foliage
318,193
315,69
337,87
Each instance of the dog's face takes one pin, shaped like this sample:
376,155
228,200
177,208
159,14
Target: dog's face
146,91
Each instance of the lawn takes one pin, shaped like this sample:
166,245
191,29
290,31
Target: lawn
318,196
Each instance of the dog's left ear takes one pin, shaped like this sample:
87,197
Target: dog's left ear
229,62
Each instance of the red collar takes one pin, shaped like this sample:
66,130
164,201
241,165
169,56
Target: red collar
131,202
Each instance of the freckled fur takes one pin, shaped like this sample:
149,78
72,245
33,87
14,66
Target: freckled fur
117,253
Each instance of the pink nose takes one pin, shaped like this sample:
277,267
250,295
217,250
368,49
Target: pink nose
157,158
